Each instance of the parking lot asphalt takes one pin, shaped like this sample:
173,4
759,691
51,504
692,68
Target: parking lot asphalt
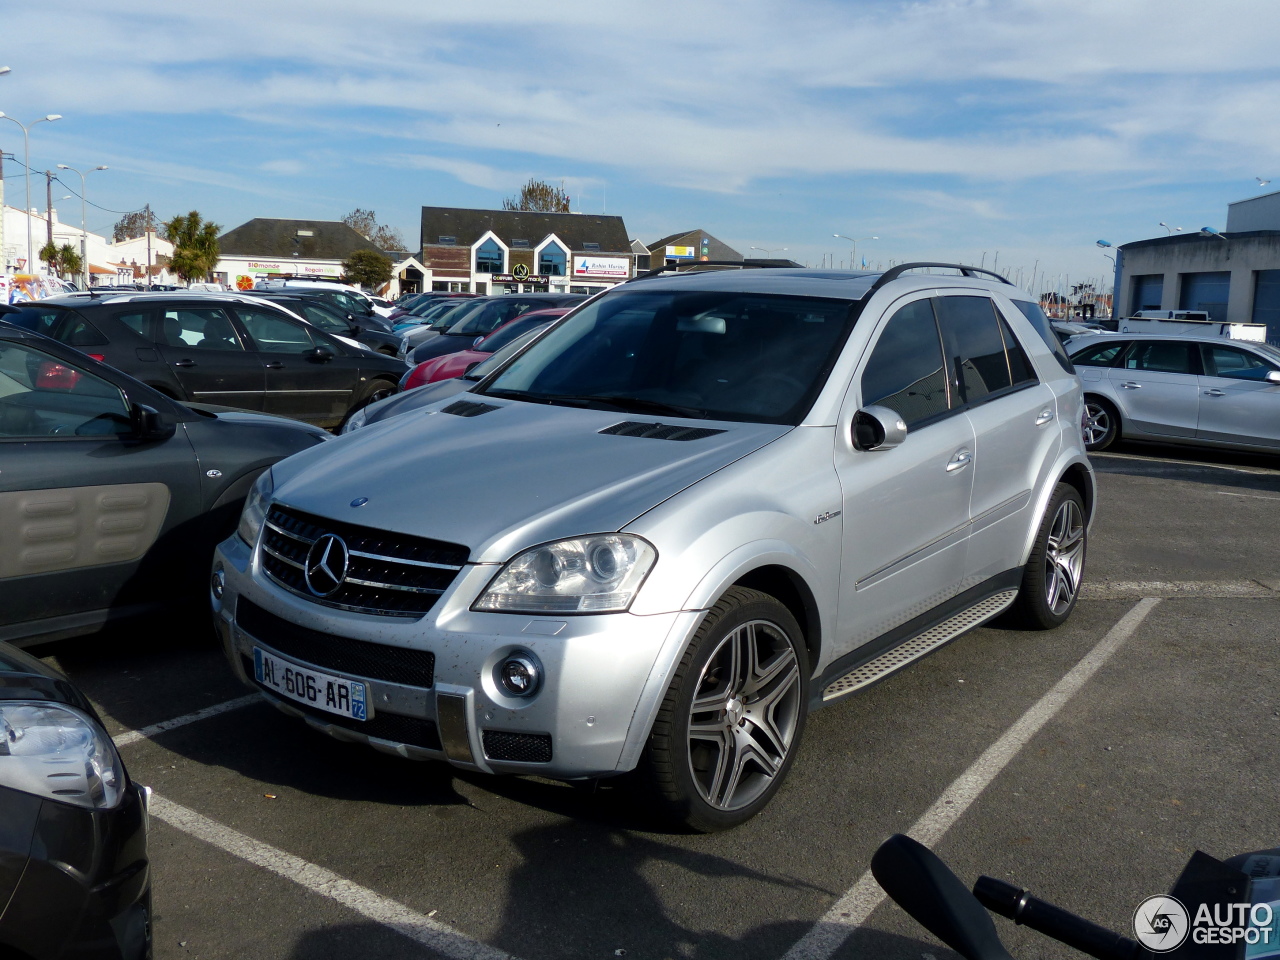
270,840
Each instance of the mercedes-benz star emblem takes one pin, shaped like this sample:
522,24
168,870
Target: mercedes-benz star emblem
326,565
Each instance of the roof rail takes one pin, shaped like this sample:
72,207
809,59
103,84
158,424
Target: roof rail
675,267
893,273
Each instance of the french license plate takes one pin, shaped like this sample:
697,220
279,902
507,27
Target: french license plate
333,694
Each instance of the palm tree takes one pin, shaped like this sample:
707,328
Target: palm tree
195,246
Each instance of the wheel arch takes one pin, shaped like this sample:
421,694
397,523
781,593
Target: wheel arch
1075,471
790,589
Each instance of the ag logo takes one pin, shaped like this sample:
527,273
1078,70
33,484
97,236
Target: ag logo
1161,923
520,271
326,565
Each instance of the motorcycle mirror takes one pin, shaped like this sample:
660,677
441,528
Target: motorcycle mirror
926,888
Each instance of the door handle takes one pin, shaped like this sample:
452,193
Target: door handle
959,461
1044,417
184,363
1130,385
274,365
1215,392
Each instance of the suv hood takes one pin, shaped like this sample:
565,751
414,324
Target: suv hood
522,474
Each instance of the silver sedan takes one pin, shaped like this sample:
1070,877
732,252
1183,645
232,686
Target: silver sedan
1176,389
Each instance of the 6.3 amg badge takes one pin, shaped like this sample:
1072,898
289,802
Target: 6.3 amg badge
326,565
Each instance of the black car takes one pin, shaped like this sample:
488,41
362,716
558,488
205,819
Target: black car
227,349
112,495
359,307
75,880
488,318
324,316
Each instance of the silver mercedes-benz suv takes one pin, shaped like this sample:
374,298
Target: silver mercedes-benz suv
693,510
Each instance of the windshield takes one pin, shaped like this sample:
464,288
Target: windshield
491,315
460,312
1271,352
505,334
715,355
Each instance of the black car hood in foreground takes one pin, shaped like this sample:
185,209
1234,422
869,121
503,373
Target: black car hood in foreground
23,677
516,475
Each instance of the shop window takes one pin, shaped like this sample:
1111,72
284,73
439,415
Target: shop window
489,258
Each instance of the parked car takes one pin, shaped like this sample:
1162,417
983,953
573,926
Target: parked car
456,364
435,322
75,878
481,322
351,299
324,316
227,349
1202,391
697,508
112,495
417,398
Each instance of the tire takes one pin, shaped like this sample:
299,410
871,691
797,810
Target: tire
1101,425
748,717
1053,574
373,391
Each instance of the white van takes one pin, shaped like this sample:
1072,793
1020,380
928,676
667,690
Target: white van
1193,322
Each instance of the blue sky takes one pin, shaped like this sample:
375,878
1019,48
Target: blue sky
950,129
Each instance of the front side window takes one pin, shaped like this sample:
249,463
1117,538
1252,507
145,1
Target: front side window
1160,356
906,371
45,397
552,260
971,327
274,333
1236,364
489,257
704,354
199,328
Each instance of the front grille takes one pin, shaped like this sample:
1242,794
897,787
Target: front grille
388,574
517,747
359,658
658,431
412,731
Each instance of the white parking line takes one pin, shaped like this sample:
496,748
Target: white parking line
1134,589
1251,496
853,909
423,929
146,733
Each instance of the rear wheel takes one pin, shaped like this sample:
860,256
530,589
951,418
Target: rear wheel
1051,579
729,727
1101,423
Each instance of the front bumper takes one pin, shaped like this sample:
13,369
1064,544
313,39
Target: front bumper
604,675
80,878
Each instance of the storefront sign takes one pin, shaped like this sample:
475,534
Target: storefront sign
514,277
679,253
614,268
296,269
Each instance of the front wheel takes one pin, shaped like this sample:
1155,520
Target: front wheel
1051,579
729,727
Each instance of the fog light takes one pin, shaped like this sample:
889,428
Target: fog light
218,582
520,675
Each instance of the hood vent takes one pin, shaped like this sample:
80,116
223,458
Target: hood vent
469,408
658,431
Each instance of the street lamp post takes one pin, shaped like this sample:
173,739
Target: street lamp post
26,162
853,248
84,235
770,250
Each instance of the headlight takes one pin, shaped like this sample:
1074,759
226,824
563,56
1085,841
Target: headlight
255,508
57,752
584,575
356,420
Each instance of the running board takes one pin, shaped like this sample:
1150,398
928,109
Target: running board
919,645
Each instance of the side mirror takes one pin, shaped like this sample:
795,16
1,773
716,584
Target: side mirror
878,428
476,342
150,424
319,355
355,329
1273,376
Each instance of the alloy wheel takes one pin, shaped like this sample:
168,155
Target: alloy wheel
745,715
1097,423
1064,557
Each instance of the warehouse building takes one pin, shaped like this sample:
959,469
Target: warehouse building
1233,275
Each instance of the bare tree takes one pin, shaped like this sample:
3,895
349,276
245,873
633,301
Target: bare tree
365,223
540,196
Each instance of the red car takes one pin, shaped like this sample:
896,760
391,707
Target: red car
456,364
